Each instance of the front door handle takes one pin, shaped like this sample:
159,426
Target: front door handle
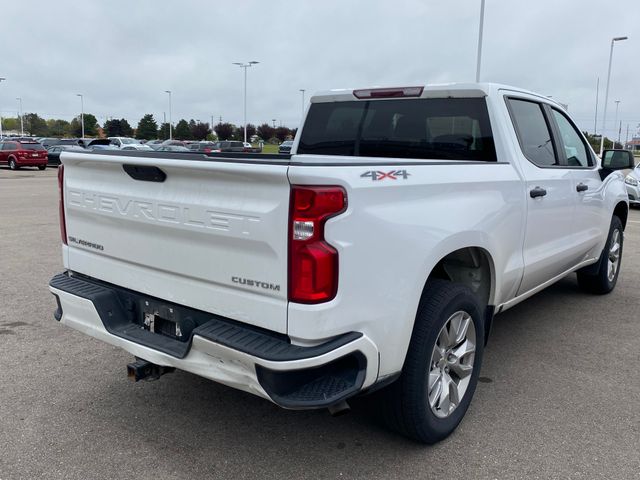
537,192
581,187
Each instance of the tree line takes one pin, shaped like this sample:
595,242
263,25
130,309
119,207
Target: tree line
147,129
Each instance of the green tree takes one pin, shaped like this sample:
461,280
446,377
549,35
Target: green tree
125,129
199,130
282,133
58,127
147,128
266,131
163,131
34,125
112,128
182,131
90,126
10,123
224,131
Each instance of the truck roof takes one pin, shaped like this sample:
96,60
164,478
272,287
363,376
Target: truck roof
440,90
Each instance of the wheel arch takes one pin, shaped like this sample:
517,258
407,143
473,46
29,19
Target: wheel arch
474,267
621,211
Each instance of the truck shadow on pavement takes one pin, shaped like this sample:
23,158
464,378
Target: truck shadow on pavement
190,422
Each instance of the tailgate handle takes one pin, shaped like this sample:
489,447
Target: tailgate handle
145,173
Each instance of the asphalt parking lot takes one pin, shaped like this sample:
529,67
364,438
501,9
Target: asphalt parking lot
559,398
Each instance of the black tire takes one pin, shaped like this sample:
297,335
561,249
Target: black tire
13,165
41,167
404,404
597,281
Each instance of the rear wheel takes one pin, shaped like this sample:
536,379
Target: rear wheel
41,167
604,279
12,164
441,369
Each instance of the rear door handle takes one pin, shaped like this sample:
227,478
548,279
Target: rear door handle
581,187
537,192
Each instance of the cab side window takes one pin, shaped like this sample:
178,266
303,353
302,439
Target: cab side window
533,131
574,147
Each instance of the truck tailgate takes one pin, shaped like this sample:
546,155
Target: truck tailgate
211,236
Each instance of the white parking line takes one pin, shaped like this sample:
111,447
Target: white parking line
632,221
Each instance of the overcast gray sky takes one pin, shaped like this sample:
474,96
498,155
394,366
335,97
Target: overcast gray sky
122,55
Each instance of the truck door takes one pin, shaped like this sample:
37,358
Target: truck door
548,248
591,221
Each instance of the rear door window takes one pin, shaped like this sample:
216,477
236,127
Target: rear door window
451,129
533,132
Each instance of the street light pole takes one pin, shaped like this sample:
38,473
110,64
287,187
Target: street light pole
615,122
21,121
606,94
595,121
1,80
302,90
479,60
170,127
245,66
81,111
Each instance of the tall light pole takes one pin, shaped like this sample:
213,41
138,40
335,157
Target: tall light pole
20,112
1,80
245,66
606,94
617,102
479,60
595,121
302,90
170,127
81,111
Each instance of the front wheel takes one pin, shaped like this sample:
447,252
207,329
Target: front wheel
604,279
442,366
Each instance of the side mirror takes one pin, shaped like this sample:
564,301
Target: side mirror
617,160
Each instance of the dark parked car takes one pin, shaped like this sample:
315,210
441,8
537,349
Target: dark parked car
54,152
229,146
285,147
49,142
202,147
23,154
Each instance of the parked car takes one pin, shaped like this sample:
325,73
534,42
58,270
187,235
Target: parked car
229,146
70,141
250,148
53,153
173,148
102,146
202,147
154,144
129,143
178,143
632,181
139,147
49,141
374,258
18,154
285,147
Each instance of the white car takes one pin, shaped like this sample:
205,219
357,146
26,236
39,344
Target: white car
125,143
373,257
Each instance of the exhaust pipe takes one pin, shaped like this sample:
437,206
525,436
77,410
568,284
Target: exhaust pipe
143,370
339,409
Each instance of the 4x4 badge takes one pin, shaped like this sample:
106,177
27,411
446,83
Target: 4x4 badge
377,175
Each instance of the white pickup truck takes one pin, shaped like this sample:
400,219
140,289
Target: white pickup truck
373,257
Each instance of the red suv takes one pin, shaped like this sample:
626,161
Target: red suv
18,154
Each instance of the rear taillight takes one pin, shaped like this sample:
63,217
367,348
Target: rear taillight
313,263
63,222
206,150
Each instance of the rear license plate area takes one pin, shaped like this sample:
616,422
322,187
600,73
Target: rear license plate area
165,320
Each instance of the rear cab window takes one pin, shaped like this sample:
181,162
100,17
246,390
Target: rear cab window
426,128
